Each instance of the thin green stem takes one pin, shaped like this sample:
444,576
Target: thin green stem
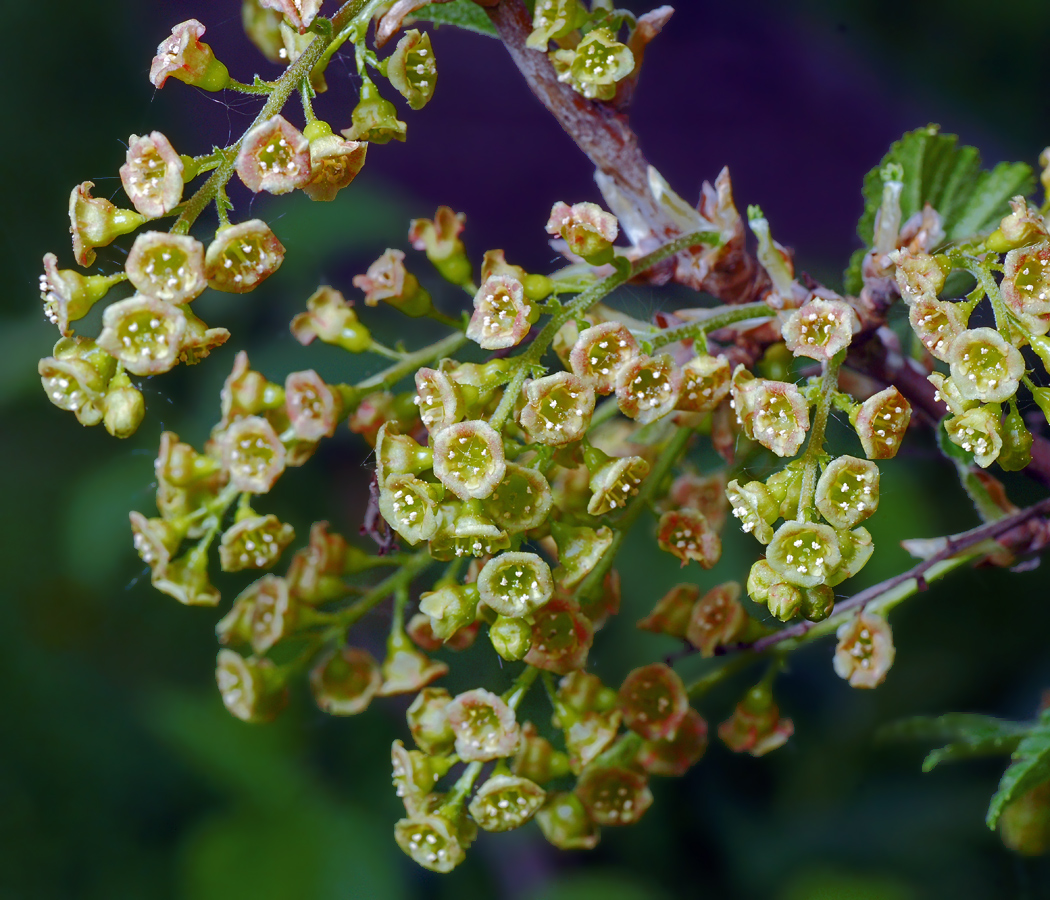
382,350
520,688
715,677
399,580
718,318
815,448
452,808
412,361
242,88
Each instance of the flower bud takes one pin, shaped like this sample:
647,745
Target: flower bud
169,267
242,256
440,239
561,637
685,534
820,329
705,383
253,455
67,295
450,607
469,459
648,387
506,802
817,603
432,841
428,721
511,637
579,550
406,670
521,501
144,333
252,689
848,491
565,823
537,759
412,69
613,480
334,162
1017,442
880,423
583,692
374,119
152,175
274,157
1025,822
254,542
601,352
123,407
558,410
977,431
344,681
185,57
717,619
803,553
755,507
502,315
387,279
673,611
654,701
484,726
864,652
614,795
186,579
673,758
984,366
755,726
95,222
515,584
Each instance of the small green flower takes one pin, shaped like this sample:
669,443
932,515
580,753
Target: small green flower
412,69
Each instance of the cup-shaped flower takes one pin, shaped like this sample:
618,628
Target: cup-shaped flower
73,384
717,619
755,507
588,735
511,637
144,333
431,840
918,276
314,408
864,652
674,757
506,802
344,681
648,388
598,62
756,726
406,670
673,611
242,256
316,566
937,323
561,637
263,28
408,507
464,529
880,423
186,579
780,416
521,501
450,607
439,237
254,542
414,775
848,491
469,459
252,689
169,267
199,339
439,398
331,318
95,222
67,295
553,19
978,431
374,119
601,352
484,725
804,553
263,614
820,328
856,547
985,366
654,701
536,758
253,454
581,692
587,228
614,482
558,409
705,383
184,56
178,464
412,69
684,533
1026,280
614,795
274,157
334,162
155,540
565,823
428,721
766,586
247,392
502,315
399,454
515,584
299,13
387,279
152,175
579,549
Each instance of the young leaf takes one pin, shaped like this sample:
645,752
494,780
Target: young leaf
1029,768
969,736
948,177
461,13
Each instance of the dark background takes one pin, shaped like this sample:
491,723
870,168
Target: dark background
120,774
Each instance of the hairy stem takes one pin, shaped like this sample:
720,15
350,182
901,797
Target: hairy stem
829,383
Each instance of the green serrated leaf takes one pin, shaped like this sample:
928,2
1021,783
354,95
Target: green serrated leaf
957,728
1029,768
948,177
461,13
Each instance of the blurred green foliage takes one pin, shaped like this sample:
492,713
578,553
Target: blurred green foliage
122,777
